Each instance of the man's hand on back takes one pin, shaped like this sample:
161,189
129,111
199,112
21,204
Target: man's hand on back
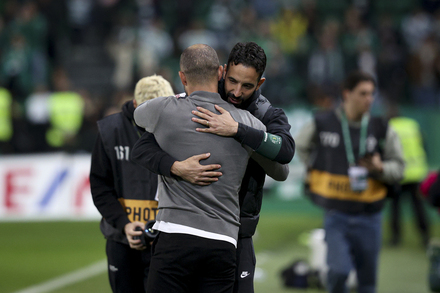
193,172
221,124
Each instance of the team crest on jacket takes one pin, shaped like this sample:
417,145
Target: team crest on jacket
371,144
332,139
329,139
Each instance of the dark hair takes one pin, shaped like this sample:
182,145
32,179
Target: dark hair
200,63
355,77
248,54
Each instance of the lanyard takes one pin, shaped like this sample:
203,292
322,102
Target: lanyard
347,138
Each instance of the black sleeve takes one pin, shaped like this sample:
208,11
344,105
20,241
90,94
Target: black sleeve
276,123
103,190
147,153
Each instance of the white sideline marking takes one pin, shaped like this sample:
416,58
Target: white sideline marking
67,279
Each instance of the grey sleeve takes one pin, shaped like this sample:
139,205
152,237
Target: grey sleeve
393,162
275,170
257,124
305,142
147,114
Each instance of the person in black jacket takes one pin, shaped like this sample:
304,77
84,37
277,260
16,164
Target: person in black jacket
124,192
243,78
351,157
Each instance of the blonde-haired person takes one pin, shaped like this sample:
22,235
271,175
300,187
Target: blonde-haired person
151,87
124,192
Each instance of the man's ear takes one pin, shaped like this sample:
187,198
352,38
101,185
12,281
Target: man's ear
220,72
262,80
183,78
135,104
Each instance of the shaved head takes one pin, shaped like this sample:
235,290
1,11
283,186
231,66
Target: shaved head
200,64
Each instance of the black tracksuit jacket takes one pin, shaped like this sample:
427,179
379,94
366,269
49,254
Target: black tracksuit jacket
122,191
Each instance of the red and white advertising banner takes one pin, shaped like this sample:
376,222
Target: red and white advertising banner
46,187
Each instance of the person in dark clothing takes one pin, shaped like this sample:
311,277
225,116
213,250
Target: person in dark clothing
124,192
241,87
350,159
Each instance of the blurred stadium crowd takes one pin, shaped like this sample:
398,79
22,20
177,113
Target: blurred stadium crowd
64,64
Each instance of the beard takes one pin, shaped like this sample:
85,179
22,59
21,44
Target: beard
237,102
234,100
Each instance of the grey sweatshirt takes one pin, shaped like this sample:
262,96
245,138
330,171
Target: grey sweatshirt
205,211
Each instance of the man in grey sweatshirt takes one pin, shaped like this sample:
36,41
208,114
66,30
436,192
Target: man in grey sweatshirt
195,249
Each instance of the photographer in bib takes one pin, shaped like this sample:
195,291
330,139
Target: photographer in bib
351,157
125,193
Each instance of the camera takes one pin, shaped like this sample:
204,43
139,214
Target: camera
148,233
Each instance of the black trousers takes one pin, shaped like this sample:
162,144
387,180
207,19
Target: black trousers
419,211
186,263
127,268
246,261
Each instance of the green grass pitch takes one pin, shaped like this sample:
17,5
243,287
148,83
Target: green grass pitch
34,252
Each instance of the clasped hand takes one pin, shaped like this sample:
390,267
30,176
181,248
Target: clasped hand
373,163
221,124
